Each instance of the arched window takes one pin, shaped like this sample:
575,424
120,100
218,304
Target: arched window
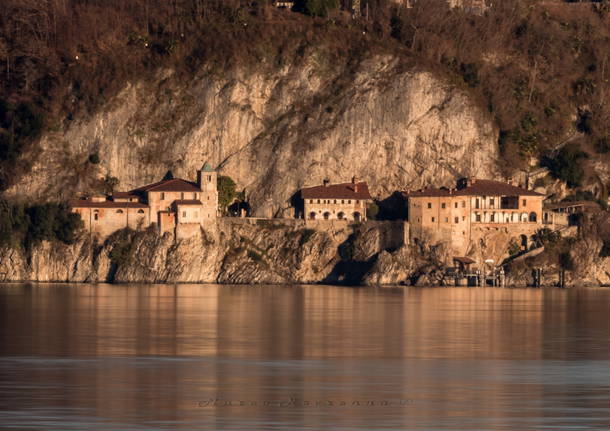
341,215
326,215
119,211
523,217
357,216
95,215
533,217
140,211
312,215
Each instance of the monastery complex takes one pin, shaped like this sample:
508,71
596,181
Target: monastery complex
459,217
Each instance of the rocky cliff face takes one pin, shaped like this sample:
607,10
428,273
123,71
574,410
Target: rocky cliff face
237,252
275,130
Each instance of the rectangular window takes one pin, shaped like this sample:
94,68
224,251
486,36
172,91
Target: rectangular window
209,178
455,205
463,218
342,201
446,219
476,204
182,195
195,196
349,201
429,204
456,220
478,217
463,204
310,201
162,196
491,203
492,217
524,202
432,219
184,214
443,205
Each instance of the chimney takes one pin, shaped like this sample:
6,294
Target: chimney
325,182
355,183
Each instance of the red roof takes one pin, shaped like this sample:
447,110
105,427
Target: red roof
188,202
85,203
337,191
124,195
478,188
173,185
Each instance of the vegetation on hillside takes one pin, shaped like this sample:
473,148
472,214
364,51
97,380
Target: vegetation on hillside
540,69
25,226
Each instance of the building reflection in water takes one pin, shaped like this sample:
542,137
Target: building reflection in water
465,358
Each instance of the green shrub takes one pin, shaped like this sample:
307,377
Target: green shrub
372,211
123,248
566,165
94,158
227,191
29,225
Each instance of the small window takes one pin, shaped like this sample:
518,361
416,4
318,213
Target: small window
463,218
478,217
310,201
524,202
491,203
184,214
342,201
95,216
318,200
456,205
335,201
119,211
492,217
443,205
162,196
463,204
357,201
140,211
446,219
349,201
182,195
456,220
432,219
429,204
209,178
195,196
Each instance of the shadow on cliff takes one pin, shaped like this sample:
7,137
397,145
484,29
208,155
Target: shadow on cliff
350,270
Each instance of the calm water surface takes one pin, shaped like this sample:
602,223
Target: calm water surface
156,357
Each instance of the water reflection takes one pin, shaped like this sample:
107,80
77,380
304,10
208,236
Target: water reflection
157,356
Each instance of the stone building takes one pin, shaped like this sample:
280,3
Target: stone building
346,201
173,205
458,216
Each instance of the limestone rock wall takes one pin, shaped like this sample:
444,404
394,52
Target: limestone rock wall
274,131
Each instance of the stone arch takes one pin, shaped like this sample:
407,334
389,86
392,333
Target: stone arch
312,215
523,217
533,217
341,215
357,216
326,215
140,211
119,211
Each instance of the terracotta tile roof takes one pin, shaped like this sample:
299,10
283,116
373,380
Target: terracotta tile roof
479,188
337,191
124,195
188,202
83,203
173,185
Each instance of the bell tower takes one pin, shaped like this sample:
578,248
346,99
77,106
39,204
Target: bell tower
207,180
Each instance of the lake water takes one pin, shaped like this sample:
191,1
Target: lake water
157,357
